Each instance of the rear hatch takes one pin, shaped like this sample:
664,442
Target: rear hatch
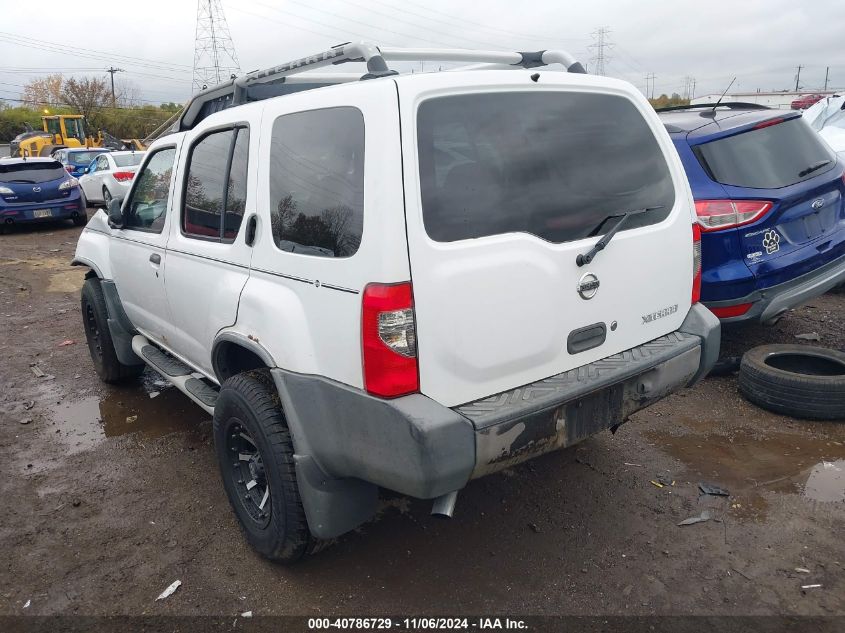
783,162
507,181
32,181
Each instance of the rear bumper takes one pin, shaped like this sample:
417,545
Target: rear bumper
771,302
417,447
25,213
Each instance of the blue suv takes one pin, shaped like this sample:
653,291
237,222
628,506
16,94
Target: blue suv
76,160
37,190
770,200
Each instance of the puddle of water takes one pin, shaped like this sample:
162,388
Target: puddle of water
826,482
85,423
753,464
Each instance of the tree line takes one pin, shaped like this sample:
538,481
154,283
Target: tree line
124,116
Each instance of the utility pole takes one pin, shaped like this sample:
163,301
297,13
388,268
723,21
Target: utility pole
649,78
797,77
692,94
601,44
111,71
826,77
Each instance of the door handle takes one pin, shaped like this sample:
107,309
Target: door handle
251,225
155,258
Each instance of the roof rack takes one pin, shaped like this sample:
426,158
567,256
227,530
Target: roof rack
284,79
731,105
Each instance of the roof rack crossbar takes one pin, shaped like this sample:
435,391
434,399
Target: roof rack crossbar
236,91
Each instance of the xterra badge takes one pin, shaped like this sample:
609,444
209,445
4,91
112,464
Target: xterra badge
648,318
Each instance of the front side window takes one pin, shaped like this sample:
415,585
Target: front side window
146,208
215,187
551,164
53,126
317,182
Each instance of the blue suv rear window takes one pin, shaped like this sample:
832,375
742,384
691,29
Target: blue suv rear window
30,173
552,164
768,157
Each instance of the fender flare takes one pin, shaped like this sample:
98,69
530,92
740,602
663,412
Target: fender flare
243,341
84,261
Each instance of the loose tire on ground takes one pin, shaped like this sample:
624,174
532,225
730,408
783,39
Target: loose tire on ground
797,380
100,344
255,454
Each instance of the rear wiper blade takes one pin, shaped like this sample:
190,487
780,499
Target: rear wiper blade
813,167
584,259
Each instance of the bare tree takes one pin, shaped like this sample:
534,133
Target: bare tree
46,91
88,96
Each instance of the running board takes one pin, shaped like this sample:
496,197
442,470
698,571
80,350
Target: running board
193,384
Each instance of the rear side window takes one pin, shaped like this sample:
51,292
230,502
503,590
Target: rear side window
317,182
552,164
30,172
215,186
767,158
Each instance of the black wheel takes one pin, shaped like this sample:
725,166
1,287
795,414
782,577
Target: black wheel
107,197
100,344
796,380
81,220
255,454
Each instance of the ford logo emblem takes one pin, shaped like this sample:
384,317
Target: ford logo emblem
36,189
818,203
588,286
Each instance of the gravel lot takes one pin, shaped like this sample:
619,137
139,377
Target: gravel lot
110,494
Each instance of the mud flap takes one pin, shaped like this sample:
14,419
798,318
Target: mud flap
332,506
120,327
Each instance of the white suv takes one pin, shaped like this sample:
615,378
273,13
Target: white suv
397,281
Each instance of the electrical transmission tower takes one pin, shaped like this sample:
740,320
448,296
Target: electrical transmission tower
601,46
215,59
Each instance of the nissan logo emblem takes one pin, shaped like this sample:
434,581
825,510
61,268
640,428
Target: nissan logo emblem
818,203
588,286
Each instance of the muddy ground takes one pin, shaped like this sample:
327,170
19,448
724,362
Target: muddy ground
110,494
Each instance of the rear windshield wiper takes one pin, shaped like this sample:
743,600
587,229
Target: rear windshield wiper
813,167
584,259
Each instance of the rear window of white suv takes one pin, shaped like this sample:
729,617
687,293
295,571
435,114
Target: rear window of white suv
552,164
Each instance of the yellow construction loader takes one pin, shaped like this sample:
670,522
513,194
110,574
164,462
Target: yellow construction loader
66,130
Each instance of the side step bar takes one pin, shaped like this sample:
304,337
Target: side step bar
191,383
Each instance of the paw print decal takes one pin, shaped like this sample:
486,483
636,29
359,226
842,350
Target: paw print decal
771,241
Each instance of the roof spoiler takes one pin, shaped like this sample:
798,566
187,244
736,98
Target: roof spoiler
240,90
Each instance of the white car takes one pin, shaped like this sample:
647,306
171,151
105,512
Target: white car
109,176
400,281
827,117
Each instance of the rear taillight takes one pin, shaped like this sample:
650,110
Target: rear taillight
696,263
768,123
123,176
716,215
389,340
731,311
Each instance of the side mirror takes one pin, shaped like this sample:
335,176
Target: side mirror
115,213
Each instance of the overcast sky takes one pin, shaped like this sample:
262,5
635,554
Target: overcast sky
760,41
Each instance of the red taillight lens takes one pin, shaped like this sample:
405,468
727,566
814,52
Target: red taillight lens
123,176
731,311
389,340
696,263
716,215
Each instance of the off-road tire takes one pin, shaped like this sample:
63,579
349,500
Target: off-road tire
100,344
249,401
801,381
